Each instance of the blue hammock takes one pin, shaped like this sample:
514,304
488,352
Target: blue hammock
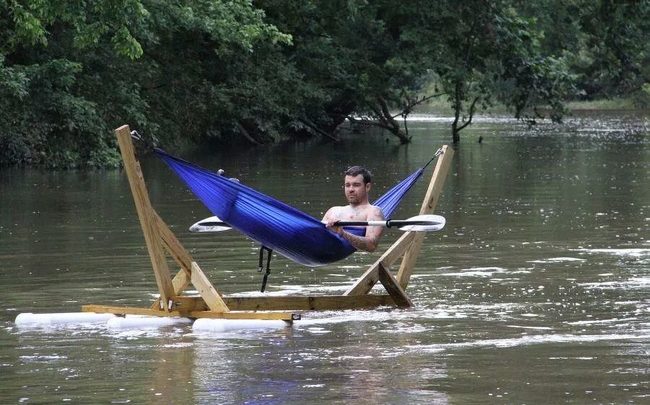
272,223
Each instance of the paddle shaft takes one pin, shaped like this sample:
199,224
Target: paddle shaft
214,223
388,224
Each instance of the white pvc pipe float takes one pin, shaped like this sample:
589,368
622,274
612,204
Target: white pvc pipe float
45,320
233,325
145,322
30,320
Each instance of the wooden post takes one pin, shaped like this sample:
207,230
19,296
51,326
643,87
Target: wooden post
428,205
147,217
207,291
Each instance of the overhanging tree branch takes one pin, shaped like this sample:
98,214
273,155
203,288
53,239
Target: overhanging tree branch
471,114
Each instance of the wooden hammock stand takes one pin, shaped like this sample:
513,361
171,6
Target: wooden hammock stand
211,304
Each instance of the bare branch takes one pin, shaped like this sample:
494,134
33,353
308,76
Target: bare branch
471,114
247,135
319,131
407,109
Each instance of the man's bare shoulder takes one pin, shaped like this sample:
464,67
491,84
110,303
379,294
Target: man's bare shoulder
374,212
333,212
336,208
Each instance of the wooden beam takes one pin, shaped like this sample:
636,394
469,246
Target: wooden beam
282,316
146,216
287,303
180,282
308,303
428,206
176,250
367,281
173,246
207,291
364,284
117,310
187,305
190,271
392,286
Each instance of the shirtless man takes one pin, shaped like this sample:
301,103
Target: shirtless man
358,182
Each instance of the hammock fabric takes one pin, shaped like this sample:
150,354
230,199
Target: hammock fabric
272,223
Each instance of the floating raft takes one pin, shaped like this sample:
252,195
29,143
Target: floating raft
212,311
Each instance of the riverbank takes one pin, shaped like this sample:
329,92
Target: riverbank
627,104
441,106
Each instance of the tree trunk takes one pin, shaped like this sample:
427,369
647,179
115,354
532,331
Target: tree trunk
458,104
253,135
458,94
387,121
319,131
455,133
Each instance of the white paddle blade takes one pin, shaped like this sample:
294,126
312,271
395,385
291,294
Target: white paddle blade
211,224
437,223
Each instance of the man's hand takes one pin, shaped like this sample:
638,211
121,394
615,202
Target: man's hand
330,224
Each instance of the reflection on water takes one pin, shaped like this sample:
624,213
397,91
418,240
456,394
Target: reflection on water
536,291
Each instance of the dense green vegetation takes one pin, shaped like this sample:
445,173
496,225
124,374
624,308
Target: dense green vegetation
261,71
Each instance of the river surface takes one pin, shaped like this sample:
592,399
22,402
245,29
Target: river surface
536,291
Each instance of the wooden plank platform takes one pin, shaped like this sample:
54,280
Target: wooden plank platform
210,303
308,303
117,310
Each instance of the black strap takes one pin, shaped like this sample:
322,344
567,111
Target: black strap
435,155
268,265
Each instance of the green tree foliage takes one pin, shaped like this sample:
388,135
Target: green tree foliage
71,71
481,52
259,71
610,50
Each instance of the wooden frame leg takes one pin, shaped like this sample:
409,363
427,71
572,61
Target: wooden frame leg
147,217
394,289
428,206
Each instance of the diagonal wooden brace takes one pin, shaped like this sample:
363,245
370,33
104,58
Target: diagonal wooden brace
368,280
394,289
